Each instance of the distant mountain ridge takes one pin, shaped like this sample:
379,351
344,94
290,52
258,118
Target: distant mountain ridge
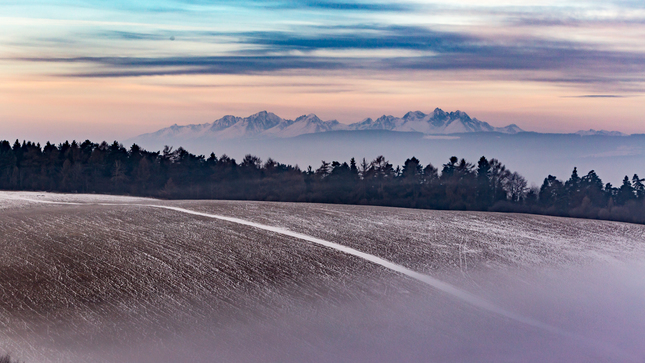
268,125
437,122
592,132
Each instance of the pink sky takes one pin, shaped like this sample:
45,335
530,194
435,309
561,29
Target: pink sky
76,70
53,108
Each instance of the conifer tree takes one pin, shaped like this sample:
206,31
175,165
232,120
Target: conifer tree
639,188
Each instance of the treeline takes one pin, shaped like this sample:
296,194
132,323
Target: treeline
177,174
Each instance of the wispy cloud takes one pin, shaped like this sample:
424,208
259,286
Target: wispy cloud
360,37
597,96
272,51
129,35
335,32
351,5
137,66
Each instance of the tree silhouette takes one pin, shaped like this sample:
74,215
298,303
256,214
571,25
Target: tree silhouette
484,185
638,187
515,187
625,192
177,173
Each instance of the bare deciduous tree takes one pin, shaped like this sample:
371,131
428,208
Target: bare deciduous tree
516,187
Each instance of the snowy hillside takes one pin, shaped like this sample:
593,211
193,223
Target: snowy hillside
268,125
97,279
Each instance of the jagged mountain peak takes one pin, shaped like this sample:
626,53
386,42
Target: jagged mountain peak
264,115
384,122
268,124
439,113
592,132
224,122
261,121
416,115
310,118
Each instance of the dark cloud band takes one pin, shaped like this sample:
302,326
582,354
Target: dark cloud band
533,58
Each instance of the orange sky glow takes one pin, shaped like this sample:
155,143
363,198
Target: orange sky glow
77,70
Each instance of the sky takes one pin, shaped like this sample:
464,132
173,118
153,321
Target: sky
115,69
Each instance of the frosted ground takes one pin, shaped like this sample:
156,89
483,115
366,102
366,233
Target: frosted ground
90,278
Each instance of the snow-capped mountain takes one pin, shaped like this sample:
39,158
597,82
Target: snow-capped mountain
228,127
268,125
306,124
592,132
437,122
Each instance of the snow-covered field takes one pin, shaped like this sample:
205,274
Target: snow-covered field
91,278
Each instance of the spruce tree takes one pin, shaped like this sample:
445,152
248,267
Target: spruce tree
625,192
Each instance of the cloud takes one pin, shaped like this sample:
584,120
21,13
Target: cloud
586,64
359,37
348,5
128,35
596,96
332,5
141,66
569,21
529,57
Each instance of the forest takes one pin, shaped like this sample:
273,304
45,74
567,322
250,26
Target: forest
486,185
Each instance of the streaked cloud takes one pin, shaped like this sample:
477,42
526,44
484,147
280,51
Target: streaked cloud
580,51
342,5
528,57
599,96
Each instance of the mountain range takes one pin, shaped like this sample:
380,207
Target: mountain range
268,125
592,132
307,140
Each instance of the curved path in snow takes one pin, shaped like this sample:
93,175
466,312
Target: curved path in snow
426,279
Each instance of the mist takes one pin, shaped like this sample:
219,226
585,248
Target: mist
598,307
533,155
